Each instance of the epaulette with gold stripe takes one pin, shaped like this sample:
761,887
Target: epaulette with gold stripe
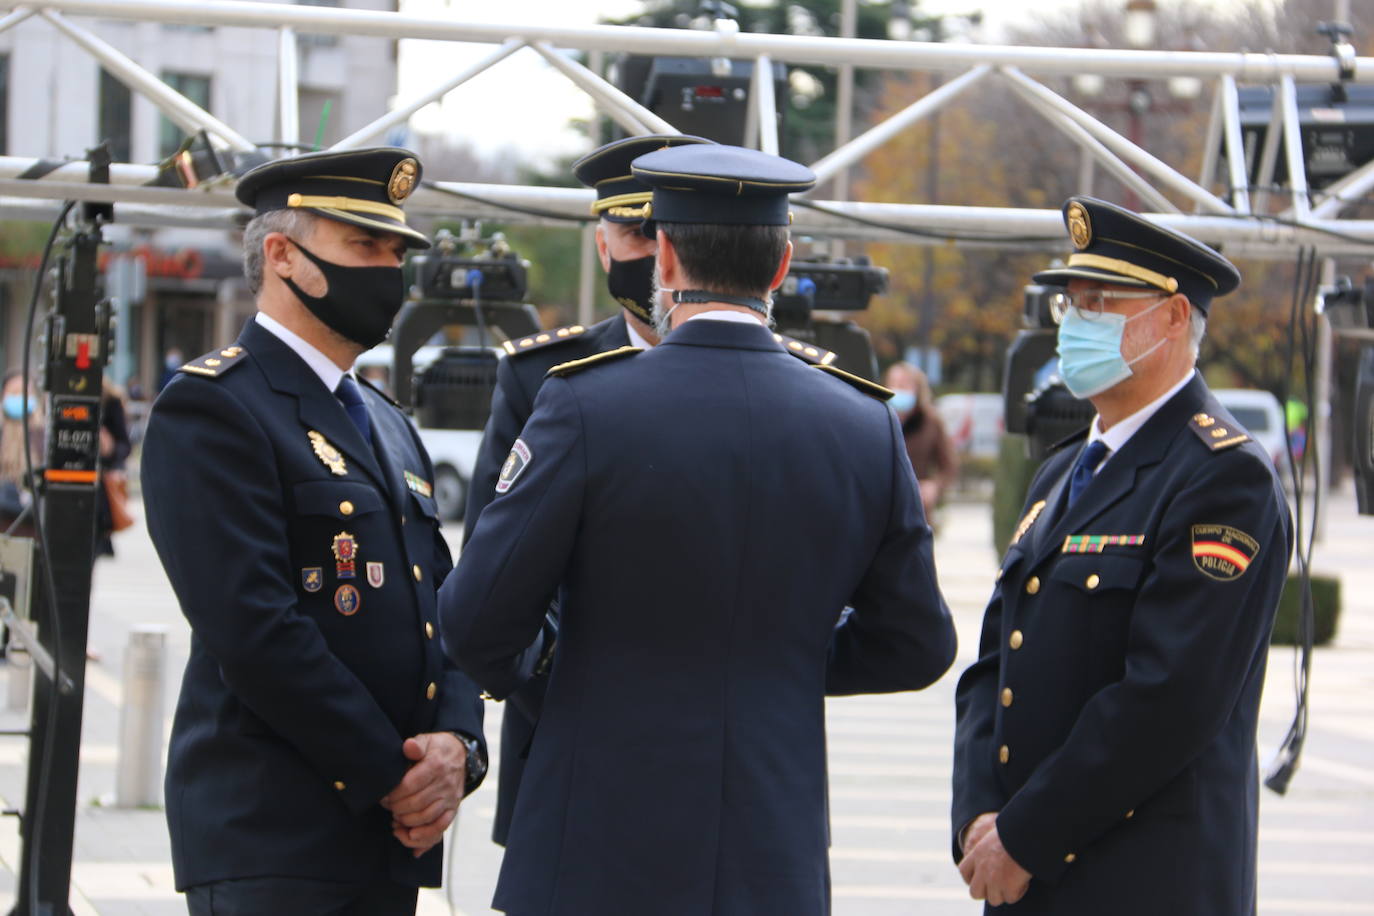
1216,434
807,352
543,339
872,389
578,365
216,362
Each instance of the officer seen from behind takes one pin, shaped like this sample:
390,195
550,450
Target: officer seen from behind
322,741
705,509
1105,744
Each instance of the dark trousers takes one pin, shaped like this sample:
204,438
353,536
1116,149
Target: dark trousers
299,897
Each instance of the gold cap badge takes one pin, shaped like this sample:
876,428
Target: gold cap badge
402,180
1080,228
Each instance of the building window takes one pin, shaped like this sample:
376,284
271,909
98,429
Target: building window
197,89
4,104
315,39
116,117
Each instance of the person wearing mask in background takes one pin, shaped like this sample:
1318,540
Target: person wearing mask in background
172,362
322,741
16,496
1104,757
112,500
927,441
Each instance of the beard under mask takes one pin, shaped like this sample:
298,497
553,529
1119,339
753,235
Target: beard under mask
359,303
631,283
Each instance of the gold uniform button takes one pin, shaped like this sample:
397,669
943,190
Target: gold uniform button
1004,753
416,570
1093,581
1006,696
1130,814
346,508
1033,585
429,630
431,690
339,786
1070,858
1016,640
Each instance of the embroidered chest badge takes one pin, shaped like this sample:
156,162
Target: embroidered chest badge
329,456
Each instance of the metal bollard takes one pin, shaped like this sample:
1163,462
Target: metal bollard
20,677
138,772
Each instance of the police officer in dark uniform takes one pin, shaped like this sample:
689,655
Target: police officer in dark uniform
627,255
1105,748
322,741
706,509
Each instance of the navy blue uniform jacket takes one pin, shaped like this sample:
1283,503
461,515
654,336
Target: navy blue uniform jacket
1111,714
517,382
708,507
295,700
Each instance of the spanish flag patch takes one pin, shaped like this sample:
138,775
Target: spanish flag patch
1222,552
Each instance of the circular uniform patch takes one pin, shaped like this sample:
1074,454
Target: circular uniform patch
346,600
516,462
1080,227
402,180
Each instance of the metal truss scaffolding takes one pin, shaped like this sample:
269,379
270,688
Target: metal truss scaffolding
1245,221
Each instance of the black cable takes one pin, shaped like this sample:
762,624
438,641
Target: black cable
35,831
1300,344
514,208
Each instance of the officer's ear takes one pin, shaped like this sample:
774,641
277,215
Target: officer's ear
279,254
783,265
602,251
1180,312
669,267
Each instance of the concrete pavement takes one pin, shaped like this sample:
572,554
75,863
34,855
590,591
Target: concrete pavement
889,760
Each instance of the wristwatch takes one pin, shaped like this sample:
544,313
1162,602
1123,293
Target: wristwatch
476,763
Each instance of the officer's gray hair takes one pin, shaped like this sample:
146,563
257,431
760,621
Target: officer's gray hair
298,224
1197,327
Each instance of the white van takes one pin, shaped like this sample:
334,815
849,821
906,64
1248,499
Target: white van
1262,416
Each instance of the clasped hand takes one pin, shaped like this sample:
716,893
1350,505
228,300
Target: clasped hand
987,868
426,800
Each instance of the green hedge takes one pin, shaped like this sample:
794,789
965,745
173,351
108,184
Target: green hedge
1012,480
1326,604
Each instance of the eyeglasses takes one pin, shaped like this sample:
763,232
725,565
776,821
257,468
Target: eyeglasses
1089,302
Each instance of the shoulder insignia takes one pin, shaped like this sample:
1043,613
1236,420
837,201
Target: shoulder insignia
543,339
578,365
807,352
386,397
216,362
872,389
1216,434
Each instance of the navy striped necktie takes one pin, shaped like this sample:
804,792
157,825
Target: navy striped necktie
1083,468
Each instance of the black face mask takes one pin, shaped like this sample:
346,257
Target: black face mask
632,285
360,302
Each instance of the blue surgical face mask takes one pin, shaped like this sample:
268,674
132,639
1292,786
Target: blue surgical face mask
903,401
1090,359
14,407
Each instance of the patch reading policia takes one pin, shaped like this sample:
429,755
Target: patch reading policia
1223,553
516,462
620,197
720,184
363,187
1113,245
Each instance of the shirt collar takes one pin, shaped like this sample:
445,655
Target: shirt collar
728,315
321,365
1121,432
636,338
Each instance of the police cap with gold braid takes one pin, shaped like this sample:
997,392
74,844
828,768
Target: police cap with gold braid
720,184
1113,245
620,197
365,187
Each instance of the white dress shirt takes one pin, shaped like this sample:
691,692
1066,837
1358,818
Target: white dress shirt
321,365
1121,432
